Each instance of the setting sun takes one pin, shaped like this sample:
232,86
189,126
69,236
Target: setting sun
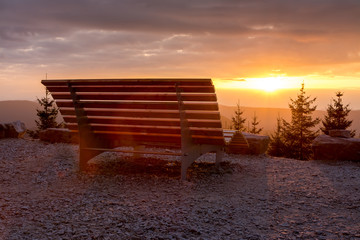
271,84
268,84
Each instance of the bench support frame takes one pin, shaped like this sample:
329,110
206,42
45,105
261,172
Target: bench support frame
191,152
91,146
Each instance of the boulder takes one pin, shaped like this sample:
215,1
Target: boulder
339,133
258,144
15,129
336,148
58,135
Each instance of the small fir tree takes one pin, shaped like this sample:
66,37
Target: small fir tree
276,145
254,124
238,120
336,116
299,134
47,115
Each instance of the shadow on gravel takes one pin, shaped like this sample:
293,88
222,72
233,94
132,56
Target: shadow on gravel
159,168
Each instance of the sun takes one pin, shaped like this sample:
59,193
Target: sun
269,84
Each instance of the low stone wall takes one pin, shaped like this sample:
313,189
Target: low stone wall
245,143
15,129
336,148
258,144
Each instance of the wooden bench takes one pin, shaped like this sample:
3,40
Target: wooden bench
166,113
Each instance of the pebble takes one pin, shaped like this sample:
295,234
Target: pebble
42,196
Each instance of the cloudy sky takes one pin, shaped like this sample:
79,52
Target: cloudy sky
316,41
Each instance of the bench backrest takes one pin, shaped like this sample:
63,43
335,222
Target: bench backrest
140,111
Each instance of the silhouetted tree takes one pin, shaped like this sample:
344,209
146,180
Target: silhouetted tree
254,124
238,121
47,115
299,133
276,145
336,116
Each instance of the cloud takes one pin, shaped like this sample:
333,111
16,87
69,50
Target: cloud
220,39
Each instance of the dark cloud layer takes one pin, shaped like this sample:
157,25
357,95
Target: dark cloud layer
231,17
229,38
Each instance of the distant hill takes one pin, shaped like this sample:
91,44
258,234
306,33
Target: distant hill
268,116
24,111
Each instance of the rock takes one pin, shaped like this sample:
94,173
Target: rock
58,135
336,148
339,133
15,129
258,144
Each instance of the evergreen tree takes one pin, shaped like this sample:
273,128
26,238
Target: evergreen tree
336,117
254,124
238,121
298,134
47,115
276,145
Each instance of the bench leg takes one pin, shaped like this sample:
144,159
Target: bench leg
85,156
186,161
219,156
195,153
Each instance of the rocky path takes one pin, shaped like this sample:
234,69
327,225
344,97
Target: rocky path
42,196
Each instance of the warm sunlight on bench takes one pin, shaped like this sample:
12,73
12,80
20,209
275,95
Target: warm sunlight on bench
166,113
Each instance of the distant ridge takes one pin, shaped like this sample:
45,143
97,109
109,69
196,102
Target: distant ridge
25,111
22,110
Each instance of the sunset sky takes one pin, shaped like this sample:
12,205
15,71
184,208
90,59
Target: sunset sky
256,44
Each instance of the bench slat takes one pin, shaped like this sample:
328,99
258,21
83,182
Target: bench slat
131,138
144,113
180,82
129,128
139,96
152,129
130,88
208,106
148,122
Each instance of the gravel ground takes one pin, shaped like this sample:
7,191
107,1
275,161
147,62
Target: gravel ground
42,196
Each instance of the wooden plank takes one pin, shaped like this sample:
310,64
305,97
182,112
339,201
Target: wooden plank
152,129
204,123
131,88
139,96
133,138
144,113
136,138
206,132
64,104
159,81
154,141
208,106
148,121
130,128
127,121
